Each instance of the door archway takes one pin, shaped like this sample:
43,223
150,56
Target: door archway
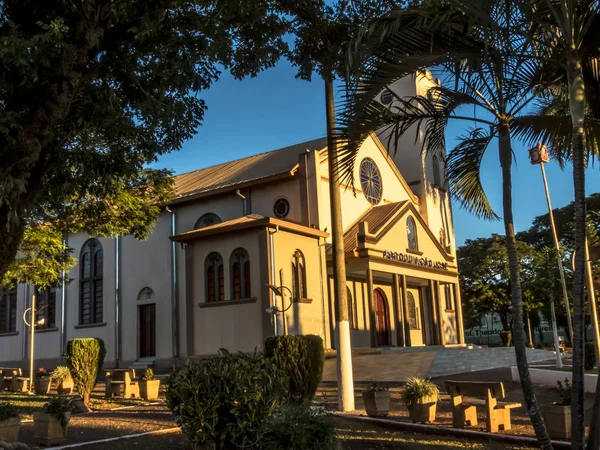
381,319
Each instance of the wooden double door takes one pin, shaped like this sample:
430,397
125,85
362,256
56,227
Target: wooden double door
382,318
147,330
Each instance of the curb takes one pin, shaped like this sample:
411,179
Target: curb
457,432
119,438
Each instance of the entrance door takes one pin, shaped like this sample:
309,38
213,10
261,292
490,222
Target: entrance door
147,330
381,319
415,316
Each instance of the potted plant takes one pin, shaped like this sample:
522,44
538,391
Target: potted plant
149,385
51,424
10,422
62,375
506,338
42,381
377,400
558,415
420,397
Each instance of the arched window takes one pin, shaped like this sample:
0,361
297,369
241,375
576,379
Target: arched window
436,170
206,220
412,312
411,233
91,283
215,281
240,274
298,275
146,293
8,311
45,306
351,310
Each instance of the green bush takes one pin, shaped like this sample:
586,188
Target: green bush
7,411
225,400
85,357
589,360
298,427
301,360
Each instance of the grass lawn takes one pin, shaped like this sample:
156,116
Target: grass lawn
354,435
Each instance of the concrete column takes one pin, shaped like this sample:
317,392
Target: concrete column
372,321
434,312
441,308
405,315
460,330
397,302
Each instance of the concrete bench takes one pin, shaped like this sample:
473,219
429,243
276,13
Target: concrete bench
120,382
465,396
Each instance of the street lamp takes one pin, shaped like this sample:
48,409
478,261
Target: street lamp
31,324
274,310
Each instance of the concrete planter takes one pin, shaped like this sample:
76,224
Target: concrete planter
48,430
558,421
377,403
424,411
64,387
550,377
9,429
149,389
42,385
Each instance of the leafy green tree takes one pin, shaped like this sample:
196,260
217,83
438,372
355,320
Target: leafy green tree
94,90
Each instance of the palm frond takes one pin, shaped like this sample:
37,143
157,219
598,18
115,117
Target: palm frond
464,173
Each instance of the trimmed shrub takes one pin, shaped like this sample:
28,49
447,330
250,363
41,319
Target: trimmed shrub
298,427
300,359
225,400
85,357
589,360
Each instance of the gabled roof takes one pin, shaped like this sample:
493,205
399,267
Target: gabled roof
246,222
241,172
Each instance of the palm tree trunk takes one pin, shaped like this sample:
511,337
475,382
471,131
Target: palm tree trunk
577,107
520,340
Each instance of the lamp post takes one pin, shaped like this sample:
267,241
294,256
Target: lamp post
274,310
32,324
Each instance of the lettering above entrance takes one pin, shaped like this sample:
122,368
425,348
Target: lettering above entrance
416,260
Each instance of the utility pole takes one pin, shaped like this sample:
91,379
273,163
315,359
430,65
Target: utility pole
343,347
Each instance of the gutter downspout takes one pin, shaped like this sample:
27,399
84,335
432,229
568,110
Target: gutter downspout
174,286
273,281
117,300
26,303
239,194
63,301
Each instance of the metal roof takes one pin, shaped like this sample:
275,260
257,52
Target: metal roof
231,174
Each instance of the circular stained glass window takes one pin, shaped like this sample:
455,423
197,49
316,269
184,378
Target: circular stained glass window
281,208
370,181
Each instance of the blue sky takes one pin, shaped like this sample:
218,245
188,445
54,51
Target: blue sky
274,110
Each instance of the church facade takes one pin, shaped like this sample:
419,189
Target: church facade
243,241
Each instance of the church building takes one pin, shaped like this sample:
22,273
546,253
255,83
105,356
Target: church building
243,253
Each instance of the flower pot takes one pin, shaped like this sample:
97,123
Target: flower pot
42,385
377,403
64,387
48,429
149,389
424,411
506,338
9,429
558,421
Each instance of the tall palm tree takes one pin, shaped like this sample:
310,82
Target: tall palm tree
493,70
567,34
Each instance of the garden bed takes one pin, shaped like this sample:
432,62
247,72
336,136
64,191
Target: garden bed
548,376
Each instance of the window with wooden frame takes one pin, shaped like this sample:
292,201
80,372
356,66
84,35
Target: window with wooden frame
298,276
352,320
239,264
448,296
45,306
411,233
8,311
413,312
91,308
215,280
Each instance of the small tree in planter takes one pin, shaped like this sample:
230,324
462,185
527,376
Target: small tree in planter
51,424
85,357
10,422
42,381
377,400
558,415
149,385
64,380
420,397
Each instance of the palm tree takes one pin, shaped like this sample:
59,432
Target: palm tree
498,77
567,34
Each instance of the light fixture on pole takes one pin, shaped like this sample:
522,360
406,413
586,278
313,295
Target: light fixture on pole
32,324
274,310
539,155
